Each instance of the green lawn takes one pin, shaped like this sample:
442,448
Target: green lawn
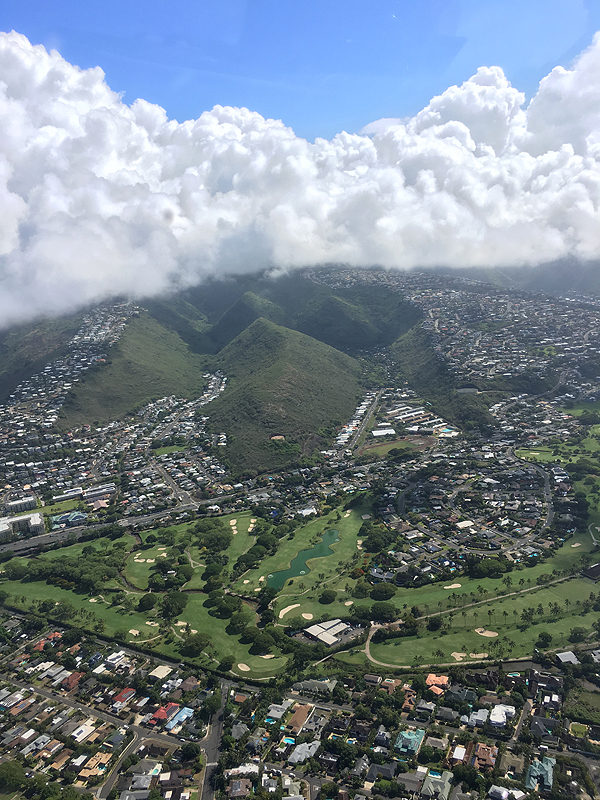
331,571
113,620
197,615
578,410
242,541
498,616
384,448
61,508
434,597
174,448
564,451
577,729
583,705
98,544
542,454
305,537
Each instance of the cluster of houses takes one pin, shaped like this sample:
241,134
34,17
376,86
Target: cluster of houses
445,726
167,702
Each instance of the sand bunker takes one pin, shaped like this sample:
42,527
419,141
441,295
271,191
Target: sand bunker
478,655
458,656
269,656
194,630
162,548
262,577
285,610
233,521
359,544
257,590
246,581
453,586
349,603
93,600
150,560
484,632
162,555
306,615
577,544
152,624
181,624
347,514
133,632
243,667
140,560
253,520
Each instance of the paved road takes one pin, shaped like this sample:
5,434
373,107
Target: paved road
366,418
524,714
211,742
105,789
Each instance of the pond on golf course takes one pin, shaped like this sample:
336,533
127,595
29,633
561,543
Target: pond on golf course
298,565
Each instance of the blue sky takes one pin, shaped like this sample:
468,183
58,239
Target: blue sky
321,66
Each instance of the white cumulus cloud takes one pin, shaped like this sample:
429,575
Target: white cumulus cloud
99,198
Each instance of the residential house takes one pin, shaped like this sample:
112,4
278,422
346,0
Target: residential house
437,787
540,775
484,756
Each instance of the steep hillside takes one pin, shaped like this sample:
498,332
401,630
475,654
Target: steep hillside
281,383
177,314
349,318
243,313
26,349
357,318
148,362
427,374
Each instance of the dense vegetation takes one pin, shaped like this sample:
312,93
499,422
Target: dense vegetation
428,374
281,383
26,349
149,361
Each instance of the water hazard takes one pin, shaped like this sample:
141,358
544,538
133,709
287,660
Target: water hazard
298,566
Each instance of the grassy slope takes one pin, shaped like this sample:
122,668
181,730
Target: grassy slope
422,368
281,382
118,619
148,362
242,314
26,349
357,318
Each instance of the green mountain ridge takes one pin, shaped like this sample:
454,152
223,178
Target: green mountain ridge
278,341
283,383
26,349
243,313
148,362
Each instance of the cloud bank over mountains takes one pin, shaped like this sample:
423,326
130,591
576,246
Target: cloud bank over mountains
99,198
